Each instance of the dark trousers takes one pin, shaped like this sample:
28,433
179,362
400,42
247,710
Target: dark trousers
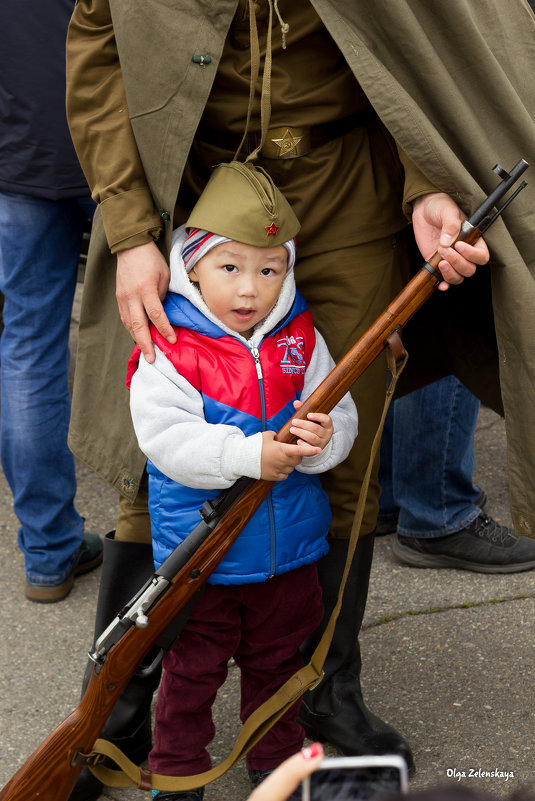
261,626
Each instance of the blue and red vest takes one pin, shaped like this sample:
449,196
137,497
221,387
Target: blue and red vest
253,390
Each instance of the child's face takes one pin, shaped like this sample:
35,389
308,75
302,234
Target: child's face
241,283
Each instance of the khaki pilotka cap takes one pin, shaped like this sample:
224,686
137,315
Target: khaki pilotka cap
241,202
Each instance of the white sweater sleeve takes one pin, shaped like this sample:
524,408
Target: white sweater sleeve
344,415
168,417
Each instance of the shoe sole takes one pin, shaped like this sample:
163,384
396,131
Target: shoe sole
42,594
417,559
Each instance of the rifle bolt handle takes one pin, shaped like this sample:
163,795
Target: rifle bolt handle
142,621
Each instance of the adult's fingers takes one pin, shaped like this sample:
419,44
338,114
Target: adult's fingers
461,261
141,284
136,323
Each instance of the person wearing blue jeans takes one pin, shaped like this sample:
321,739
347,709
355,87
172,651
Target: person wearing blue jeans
428,495
45,207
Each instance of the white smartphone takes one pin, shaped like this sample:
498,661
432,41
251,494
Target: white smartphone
357,778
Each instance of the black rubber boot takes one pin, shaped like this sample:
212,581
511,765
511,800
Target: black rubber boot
126,566
335,711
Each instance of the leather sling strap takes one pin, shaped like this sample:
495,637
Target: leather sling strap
266,715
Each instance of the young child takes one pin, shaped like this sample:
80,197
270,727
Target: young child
205,413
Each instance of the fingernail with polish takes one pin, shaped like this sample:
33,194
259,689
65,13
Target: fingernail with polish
312,751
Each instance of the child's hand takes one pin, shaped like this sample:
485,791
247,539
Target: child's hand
317,429
279,458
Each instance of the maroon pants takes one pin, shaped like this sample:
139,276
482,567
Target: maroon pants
261,626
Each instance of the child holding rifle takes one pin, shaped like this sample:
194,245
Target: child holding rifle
205,413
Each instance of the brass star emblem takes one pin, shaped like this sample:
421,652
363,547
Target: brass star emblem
287,143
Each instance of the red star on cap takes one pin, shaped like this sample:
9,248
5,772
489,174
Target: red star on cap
272,229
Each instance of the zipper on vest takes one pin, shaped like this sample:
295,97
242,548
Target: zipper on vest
256,357
260,375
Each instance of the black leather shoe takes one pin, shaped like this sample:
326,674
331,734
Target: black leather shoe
335,711
129,724
136,747
197,794
350,726
484,547
386,524
258,776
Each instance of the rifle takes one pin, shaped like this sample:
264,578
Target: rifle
50,773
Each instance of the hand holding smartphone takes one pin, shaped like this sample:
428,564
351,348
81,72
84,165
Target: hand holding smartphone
357,778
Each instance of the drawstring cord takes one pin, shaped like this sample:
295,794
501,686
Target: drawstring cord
265,98
284,25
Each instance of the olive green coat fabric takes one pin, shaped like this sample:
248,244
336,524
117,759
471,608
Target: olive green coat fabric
454,84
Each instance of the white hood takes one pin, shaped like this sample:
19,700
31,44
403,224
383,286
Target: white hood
181,284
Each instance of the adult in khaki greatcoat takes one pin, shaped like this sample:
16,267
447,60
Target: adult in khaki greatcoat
157,95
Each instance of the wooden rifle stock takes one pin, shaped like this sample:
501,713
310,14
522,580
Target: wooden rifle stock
50,773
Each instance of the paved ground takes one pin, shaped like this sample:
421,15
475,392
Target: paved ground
449,655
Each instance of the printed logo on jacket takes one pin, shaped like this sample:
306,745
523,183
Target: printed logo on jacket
293,354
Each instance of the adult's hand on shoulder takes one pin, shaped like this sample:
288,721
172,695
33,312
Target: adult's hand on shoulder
286,778
141,283
437,220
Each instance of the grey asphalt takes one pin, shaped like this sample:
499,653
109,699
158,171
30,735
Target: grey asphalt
448,655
